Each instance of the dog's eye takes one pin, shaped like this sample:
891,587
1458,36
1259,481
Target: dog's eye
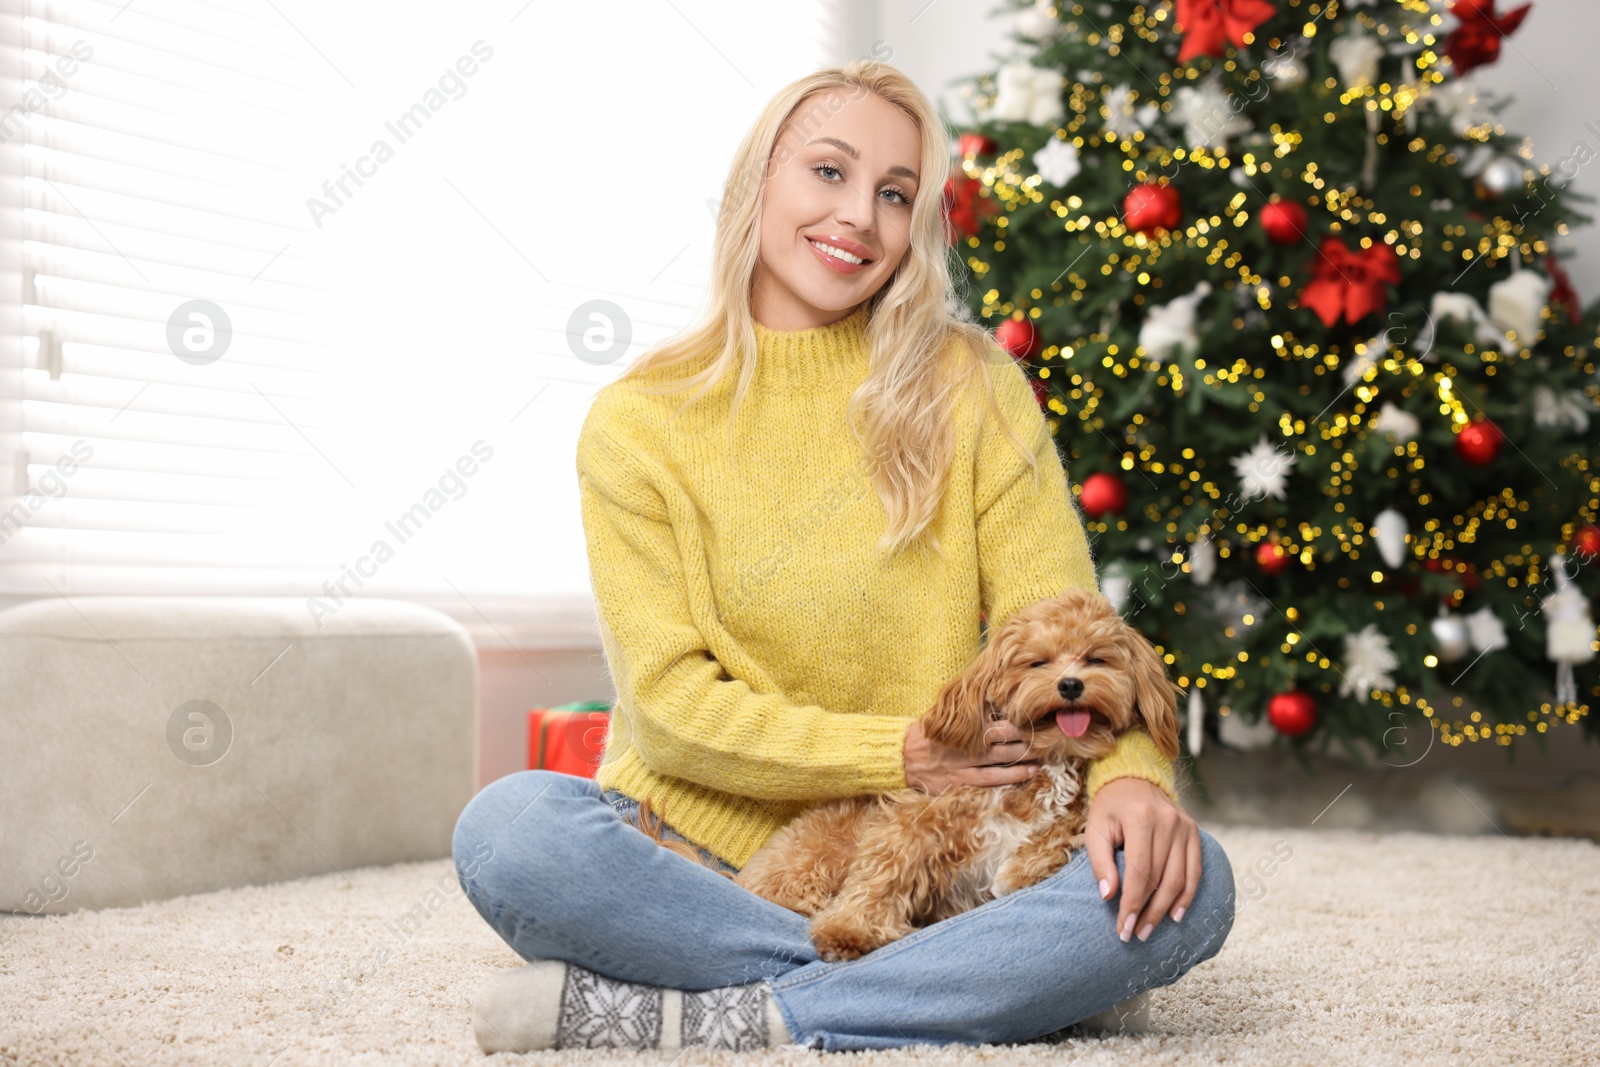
1042,663
1094,661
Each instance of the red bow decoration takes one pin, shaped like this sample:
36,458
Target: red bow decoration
977,144
1476,42
1206,23
1562,292
964,208
1349,282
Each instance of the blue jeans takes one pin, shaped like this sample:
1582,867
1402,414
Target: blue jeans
559,870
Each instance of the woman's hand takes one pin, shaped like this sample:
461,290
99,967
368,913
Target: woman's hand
934,768
1160,853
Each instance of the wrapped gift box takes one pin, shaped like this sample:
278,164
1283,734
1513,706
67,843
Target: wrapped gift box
569,738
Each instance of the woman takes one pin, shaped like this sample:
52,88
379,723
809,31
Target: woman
777,610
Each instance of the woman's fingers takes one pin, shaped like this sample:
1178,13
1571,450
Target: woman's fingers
994,774
1007,745
1174,877
1138,880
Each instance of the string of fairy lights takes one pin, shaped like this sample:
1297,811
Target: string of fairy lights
1137,254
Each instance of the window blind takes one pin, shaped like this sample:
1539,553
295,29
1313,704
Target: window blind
287,292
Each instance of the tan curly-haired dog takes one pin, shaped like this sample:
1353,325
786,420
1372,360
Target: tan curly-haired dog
1072,675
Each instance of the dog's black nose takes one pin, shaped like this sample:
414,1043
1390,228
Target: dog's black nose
1070,688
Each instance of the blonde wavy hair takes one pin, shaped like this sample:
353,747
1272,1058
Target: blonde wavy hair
904,406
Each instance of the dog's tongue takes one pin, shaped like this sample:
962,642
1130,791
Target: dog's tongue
1073,723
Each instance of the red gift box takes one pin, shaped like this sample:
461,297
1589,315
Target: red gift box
570,738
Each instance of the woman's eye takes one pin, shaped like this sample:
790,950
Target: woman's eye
829,167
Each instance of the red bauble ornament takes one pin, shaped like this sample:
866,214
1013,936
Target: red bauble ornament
1020,337
1587,542
977,144
1150,207
1478,442
1103,493
1292,713
1476,41
1284,221
1271,557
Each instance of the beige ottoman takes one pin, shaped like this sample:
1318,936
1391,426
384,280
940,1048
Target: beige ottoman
157,746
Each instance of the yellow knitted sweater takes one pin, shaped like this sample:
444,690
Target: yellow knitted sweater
766,656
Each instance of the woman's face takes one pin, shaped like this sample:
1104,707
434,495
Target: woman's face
843,173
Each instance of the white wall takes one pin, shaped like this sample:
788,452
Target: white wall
1548,66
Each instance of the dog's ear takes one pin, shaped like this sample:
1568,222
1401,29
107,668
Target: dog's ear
1154,696
960,714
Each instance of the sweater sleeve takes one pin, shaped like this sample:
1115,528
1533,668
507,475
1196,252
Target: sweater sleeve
1032,545
688,718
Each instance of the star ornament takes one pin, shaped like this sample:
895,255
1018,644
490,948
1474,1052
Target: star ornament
1057,162
1209,115
1125,117
1368,661
1476,42
1264,470
1207,24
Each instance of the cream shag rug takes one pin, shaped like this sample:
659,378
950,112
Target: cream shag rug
1361,947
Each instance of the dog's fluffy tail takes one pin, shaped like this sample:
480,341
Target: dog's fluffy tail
650,824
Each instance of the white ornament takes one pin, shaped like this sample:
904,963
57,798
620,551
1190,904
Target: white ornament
1397,421
1169,329
1026,93
1356,55
1501,175
1286,70
1450,634
1372,351
1195,720
1478,158
1264,470
1389,530
1209,116
1486,630
1123,117
1459,307
1458,101
1569,633
1116,585
1037,23
1516,305
1057,162
1568,408
1203,560
1368,659
1235,733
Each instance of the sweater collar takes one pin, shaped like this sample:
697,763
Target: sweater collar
789,359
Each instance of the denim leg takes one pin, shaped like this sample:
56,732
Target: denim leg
555,870
1011,970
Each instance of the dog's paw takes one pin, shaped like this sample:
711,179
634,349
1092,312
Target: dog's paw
836,942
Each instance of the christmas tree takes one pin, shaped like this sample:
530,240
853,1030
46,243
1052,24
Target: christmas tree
1288,295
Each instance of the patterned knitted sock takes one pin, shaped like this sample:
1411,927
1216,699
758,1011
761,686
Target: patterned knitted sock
552,1004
